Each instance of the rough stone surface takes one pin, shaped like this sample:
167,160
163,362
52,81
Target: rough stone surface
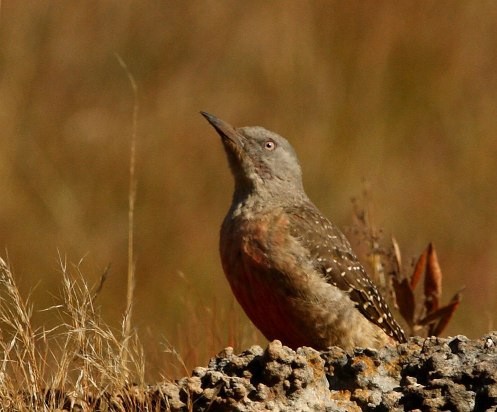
434,374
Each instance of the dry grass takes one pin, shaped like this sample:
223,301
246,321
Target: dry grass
81,361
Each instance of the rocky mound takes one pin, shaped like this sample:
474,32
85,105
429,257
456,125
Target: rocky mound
455,374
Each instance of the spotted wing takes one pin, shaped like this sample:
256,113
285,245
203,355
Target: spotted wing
334,258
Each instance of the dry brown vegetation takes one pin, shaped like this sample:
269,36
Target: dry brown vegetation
78,362
421,308
401,93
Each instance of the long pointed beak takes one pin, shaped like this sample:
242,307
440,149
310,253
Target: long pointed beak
225,130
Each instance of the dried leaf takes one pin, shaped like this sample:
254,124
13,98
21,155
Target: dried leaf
432,317
439,313
433,281
404,297
419,269
449,310
397,255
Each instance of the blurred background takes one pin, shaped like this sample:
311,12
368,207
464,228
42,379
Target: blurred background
401,95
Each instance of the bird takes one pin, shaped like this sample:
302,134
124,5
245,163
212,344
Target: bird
291,269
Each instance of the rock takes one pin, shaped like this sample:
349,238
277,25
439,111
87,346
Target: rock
433,374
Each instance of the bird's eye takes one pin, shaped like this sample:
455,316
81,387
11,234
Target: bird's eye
269,145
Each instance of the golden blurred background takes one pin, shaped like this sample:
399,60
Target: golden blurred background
401,94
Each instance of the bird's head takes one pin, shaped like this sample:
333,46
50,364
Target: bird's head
259,159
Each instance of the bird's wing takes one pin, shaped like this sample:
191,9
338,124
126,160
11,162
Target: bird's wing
333,257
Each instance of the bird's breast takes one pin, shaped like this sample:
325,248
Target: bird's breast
252,252
254,240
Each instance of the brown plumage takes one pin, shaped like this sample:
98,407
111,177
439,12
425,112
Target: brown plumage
291,269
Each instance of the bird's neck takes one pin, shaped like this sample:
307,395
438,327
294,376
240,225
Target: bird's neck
257,200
